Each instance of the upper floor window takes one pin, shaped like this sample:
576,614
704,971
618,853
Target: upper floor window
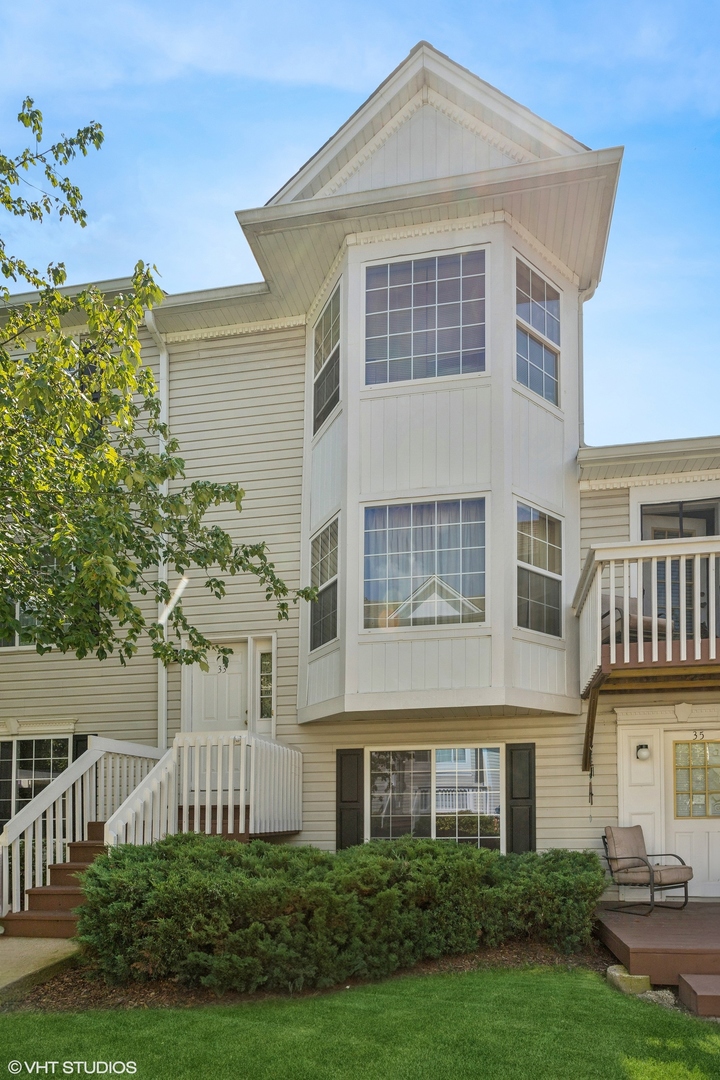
537,304
425,318
326,391
25,620
425,563
323,575
671,521
539,572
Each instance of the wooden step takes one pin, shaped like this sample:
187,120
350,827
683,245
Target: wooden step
49,924
700,994
85,851
55,898
65,873
96,831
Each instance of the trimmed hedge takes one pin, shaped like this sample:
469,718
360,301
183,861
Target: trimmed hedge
237,916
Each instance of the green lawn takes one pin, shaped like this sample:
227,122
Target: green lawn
520,1024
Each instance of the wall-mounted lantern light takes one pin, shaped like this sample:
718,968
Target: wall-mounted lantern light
642,751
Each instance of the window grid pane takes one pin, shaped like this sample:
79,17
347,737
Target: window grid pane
425,318
327,331
697,779
539,595
266,686
539,539
324,555
537,366
400,793
425,564
467,796
537,303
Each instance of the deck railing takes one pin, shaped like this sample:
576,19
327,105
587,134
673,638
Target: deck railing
90,789
649,604
214,783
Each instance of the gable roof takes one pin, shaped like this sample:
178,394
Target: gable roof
429,90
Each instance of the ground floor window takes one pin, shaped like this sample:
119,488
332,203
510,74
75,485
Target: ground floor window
451,794
26,767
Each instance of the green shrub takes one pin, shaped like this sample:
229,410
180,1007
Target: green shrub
246,916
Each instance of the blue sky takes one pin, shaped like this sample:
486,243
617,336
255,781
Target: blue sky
210,108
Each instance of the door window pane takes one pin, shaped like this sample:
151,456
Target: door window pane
697,779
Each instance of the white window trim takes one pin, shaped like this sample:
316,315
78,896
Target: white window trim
483,629
659,493
378,387
492,744
336,578
539,570
336,288
533,332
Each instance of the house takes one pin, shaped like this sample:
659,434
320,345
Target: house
515,641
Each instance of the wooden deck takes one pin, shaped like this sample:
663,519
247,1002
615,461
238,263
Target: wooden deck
666,944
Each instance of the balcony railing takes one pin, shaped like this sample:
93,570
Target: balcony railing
647,607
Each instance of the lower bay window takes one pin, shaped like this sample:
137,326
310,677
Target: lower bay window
323,576
539,572
445,794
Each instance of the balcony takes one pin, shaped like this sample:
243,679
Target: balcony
649,618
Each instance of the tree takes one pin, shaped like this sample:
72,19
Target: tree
85,462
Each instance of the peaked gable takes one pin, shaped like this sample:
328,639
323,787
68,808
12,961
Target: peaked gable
429,139
431,118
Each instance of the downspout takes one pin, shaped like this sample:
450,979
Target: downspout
583,296
163,390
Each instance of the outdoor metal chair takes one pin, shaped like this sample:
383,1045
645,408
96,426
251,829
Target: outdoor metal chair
630,866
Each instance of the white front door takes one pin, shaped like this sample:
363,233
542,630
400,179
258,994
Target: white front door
218,697
692,804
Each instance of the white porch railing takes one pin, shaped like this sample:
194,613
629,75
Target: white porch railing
90,789
207,783
651,603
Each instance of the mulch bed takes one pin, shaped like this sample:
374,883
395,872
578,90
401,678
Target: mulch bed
75,989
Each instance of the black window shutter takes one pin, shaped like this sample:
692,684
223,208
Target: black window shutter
79,745
520,797
350,797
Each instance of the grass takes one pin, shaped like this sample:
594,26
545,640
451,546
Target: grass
522,1024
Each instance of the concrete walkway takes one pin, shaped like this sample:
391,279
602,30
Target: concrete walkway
27,961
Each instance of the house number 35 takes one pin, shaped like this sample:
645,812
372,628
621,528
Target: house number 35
698,735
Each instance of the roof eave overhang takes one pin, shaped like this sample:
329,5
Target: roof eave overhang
565,203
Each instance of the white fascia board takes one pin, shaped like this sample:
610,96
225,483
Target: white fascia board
423,65
512,179
305,222
660,450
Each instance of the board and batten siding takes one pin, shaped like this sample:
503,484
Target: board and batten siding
425,439
604,517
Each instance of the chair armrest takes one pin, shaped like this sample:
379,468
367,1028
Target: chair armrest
668,855
630,858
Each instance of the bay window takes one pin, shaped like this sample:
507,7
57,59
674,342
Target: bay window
326,388
425,318
323,576
539,571
537,305
425,563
